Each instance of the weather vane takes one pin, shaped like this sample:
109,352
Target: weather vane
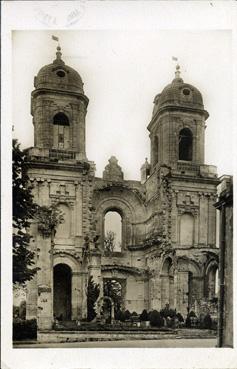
55,38
58,53
177,72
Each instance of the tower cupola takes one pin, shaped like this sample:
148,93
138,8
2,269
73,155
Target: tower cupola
177,125
58,75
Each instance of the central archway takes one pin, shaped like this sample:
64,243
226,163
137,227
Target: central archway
62,283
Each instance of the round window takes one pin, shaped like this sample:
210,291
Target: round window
186,91
60,73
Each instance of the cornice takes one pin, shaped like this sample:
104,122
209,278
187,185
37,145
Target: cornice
42,91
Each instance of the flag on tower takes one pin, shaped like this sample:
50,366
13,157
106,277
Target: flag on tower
55,38
174,58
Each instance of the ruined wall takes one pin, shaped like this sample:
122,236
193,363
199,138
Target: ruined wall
69,187
225,206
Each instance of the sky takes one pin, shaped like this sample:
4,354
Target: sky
122,71
123,51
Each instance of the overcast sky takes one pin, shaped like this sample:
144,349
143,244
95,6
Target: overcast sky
122,71
125,60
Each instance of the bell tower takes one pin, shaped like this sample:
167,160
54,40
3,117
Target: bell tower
177,125
61,176
58,107
180,193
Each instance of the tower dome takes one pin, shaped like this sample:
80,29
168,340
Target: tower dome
59,76
179,94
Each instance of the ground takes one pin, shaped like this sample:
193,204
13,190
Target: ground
163,343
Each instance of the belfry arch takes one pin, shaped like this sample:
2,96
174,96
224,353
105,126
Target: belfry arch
185,144
61,131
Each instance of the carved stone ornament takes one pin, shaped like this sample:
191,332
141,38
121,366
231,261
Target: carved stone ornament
113,171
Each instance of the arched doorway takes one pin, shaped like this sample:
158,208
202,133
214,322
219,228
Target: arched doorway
62,284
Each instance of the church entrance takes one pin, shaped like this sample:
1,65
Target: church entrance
62,292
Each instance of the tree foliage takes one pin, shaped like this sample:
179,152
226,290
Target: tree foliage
24,209
109,241
113,289
93,291
48,217
156,319
144,316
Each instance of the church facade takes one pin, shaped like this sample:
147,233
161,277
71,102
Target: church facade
168,251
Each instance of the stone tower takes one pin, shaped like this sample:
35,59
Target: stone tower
60,175
181,191
58,107
178,124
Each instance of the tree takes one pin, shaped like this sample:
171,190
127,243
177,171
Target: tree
24,209
48,217
156,319
144,315
109,241
113,289
127,314
93,291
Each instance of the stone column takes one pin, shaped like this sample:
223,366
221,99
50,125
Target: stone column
32,289
76,294
176,291
83,295
171,292
165,293
45,283
203,220
182,298
196,224
211,221
95,267
155,284
31,298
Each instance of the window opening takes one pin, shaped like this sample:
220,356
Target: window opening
112,231
185,144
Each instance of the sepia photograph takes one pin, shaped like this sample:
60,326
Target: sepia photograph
122,186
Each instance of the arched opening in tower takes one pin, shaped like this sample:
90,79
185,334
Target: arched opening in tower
113,231
185,144
60,131
62,284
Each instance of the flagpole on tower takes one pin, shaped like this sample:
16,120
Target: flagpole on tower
58,53
177,72
55,38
